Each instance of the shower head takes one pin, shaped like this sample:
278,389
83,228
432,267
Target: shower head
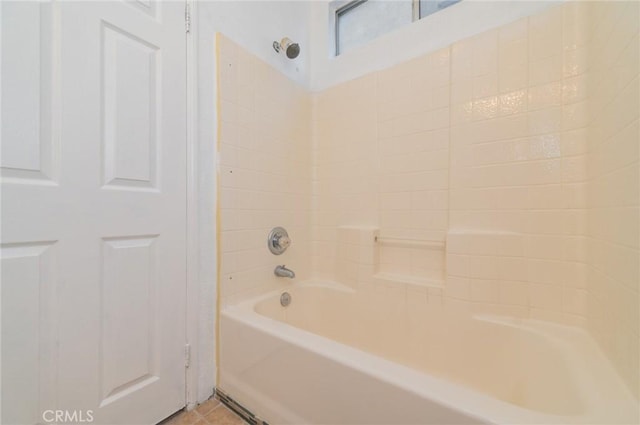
288,47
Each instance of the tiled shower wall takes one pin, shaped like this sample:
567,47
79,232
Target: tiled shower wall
517,149
264,173
381,152
481,144
614,185
518,162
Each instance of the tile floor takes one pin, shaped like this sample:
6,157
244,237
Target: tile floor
211,412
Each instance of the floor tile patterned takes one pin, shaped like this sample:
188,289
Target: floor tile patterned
211,412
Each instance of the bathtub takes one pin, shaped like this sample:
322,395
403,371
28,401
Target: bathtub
339,356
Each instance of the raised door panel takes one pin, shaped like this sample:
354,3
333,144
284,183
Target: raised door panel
28,331
130,109
29,126
128,308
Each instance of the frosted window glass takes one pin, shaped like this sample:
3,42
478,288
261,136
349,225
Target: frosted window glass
368,20
427,7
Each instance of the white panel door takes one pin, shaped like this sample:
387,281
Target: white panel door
93,176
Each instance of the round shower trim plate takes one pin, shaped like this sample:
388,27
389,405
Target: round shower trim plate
278,240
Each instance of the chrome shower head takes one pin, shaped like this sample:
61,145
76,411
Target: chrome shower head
288,47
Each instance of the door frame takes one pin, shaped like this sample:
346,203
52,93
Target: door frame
192,327
198,385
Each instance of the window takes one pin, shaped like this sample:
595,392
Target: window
357,22
427,7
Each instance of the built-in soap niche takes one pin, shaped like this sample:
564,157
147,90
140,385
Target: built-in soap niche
365,255
412,261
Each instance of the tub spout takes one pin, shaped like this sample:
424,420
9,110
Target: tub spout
282,271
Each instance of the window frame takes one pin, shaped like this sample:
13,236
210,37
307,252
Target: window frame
340,7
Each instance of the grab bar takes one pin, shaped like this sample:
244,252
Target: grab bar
410,242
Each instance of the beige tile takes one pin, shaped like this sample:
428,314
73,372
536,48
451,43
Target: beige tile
514,293
206,407
183,418
223,416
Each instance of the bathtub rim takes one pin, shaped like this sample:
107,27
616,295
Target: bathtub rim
469,401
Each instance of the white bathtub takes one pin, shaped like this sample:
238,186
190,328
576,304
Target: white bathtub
336,356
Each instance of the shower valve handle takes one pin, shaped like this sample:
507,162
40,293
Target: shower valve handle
282,242
278,241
